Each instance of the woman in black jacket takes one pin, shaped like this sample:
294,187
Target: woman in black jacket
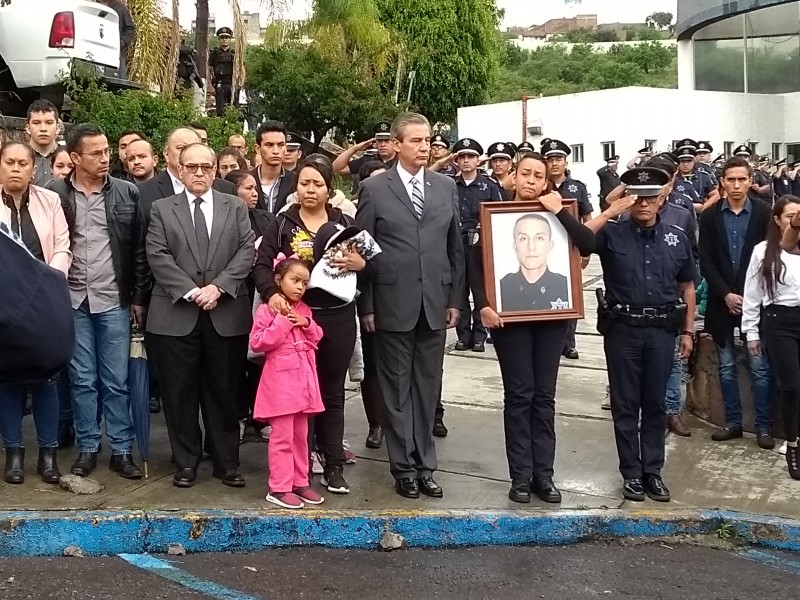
293,232
529,355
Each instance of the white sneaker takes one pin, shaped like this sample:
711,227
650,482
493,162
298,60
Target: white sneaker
606,403
265,432
316,464
782,449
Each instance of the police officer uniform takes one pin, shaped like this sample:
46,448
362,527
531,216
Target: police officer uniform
781,184
293,143
382,132
647,151
505,150
549,292
642,269
569,189
609,180
525,148
221,62
471,333
440,141
698,179
705,148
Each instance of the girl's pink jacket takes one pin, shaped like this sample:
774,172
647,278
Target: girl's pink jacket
289,383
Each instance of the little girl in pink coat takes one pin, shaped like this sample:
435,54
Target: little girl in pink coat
288,392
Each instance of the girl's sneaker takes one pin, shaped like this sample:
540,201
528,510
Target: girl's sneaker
317,467
308,495
285,500
349,455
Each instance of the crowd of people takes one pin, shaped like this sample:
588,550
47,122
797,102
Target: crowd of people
260,288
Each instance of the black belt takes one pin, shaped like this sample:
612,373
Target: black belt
646,311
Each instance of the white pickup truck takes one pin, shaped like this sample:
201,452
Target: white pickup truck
42,41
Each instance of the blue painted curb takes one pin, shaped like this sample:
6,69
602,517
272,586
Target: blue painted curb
111,533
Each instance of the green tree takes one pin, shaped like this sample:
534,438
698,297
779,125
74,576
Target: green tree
659,20
452,47
298,86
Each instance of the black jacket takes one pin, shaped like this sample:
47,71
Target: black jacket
285,189
277,239
127,27
127,231
160,186
716,268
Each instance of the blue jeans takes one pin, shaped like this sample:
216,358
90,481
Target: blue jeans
99,373
64,391
729,385
45,413
674,398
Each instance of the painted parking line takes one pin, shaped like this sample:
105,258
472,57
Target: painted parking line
169,571
779,562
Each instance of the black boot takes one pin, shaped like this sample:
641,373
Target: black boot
47,466
66,435
15,465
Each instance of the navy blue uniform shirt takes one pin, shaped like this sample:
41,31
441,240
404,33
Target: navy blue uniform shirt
700,181
572,189
736,226
470,197
642,266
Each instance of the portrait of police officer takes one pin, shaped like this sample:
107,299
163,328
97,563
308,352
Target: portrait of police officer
648,268
533,286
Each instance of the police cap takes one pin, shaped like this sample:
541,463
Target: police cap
526,148
704,147
224,31
440,141
645,181
555,148
383,130
501,150
686,143
293,141
743,150
685,153
646,150
612,160
780,163
467,146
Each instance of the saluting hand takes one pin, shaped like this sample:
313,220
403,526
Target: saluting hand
620,205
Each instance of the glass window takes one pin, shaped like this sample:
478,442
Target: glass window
719,65
651,144
609,150
728,148
777,150
577,153
773,64
753,147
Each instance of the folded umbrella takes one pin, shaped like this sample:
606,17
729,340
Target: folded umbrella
139,381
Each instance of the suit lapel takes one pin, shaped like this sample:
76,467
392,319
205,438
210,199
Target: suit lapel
723,233
221,208
398,187
428,191
181,208
165,185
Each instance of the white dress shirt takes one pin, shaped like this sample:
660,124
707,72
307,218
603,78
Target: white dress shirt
177,184
207,207
756,294
406,178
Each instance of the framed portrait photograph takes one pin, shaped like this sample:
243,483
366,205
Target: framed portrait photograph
532,270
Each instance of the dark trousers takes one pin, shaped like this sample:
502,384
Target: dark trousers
200,371
439,413
370,387
333,357
569,343
223,94
780,326
410,373
639,361
44,397
469,328
529,355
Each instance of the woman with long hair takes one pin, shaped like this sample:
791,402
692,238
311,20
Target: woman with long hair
529,354
771,309
292,233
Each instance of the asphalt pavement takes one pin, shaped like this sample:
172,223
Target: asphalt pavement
656,571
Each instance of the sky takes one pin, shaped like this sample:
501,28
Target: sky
519,13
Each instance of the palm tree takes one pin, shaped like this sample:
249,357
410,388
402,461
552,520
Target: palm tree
153,63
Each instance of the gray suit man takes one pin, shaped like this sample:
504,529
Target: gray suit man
200,247
411,293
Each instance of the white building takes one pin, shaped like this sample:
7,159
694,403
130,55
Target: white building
739,81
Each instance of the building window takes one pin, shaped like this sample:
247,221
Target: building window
651,144
728,148
675,144
753,147
777,150
577,153
609,150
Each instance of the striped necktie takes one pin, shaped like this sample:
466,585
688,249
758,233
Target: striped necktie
417,198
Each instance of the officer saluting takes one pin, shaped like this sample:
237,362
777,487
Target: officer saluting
221,61
501,160
609,178
647,267
474,187
556,153
439,147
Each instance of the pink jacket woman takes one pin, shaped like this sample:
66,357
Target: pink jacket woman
289,383
48,218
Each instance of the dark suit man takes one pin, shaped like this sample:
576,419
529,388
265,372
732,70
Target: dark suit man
411,295
200,247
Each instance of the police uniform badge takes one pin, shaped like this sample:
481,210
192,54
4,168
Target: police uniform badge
559,304
671,239
573,189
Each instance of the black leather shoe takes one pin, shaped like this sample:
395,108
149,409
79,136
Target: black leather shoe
462,346
571,354
765,439
407,488
439,430
85,464
124,465
480,347
66,436
184,478
155,404
47,465
655,489
546,490
793,461
15,465
632,489
374,438
231,478
729,432
429,487
520,492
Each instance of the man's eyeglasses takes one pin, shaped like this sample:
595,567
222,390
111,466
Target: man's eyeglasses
646,200
192,168
97,153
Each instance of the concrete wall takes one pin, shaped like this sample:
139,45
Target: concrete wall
629,116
